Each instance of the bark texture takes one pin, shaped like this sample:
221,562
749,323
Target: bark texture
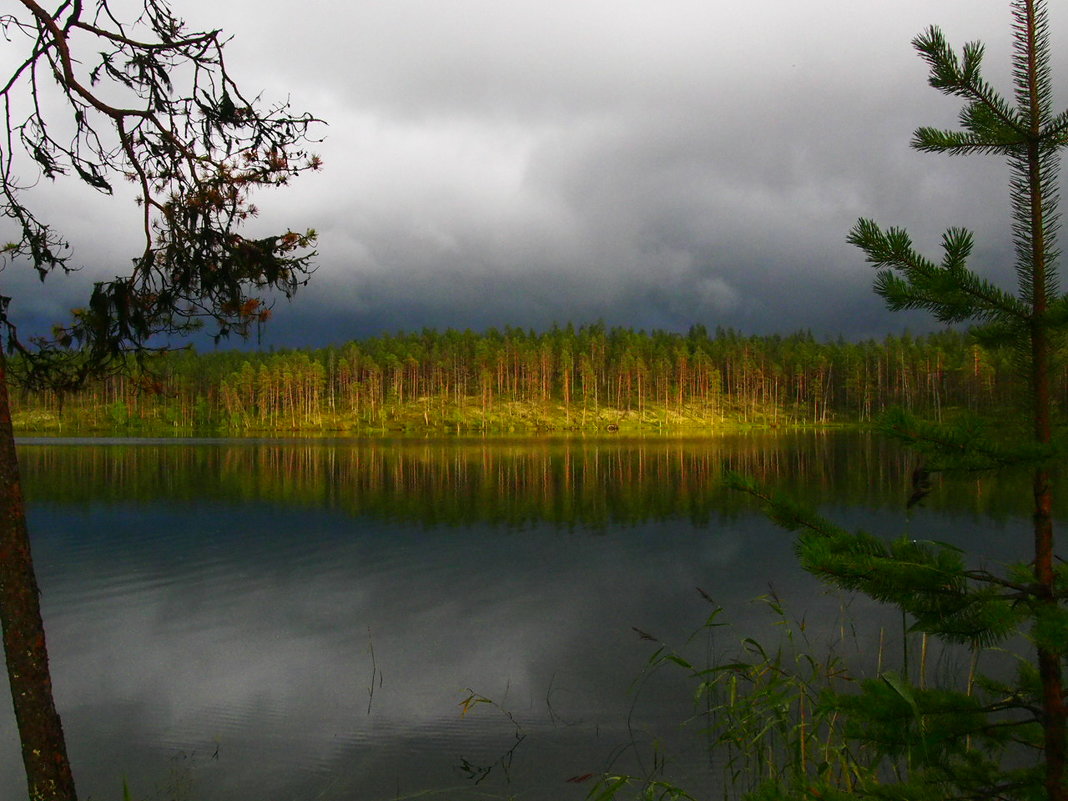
44,750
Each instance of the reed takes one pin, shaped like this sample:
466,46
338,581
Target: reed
780,717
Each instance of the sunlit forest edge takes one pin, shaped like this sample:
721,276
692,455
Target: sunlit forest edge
589,378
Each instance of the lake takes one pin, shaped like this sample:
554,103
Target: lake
303,619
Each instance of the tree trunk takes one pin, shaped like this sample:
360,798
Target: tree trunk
44,752
1049,660
1054,717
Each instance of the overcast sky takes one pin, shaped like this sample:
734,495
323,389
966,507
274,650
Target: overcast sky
648,163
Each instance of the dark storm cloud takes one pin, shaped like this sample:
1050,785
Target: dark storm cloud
654,164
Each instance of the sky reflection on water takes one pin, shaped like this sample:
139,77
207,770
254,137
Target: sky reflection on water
228,644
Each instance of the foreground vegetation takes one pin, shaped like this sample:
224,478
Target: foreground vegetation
795,725
589,378
803,728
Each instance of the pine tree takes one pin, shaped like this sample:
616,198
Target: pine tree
97,97
955,742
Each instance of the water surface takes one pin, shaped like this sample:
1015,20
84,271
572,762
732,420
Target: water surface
301,619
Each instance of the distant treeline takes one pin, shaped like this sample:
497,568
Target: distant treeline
583,378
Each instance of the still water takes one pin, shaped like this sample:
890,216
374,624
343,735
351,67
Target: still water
303,619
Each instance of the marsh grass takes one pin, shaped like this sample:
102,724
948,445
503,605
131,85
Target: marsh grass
779,716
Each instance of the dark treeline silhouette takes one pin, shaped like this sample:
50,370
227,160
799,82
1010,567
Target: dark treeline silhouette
565,378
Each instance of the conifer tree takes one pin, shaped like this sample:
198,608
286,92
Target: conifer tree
98,97
952,740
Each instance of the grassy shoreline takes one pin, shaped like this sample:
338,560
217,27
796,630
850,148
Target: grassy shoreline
426,417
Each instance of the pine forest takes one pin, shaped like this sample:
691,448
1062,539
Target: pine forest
590,378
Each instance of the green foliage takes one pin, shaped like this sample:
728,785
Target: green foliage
927,580
970,444
1050,628
949,291
767,713
118,414
944,743
585,378
815,716
1029,137
611,786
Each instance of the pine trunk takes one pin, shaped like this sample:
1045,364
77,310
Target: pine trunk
1049,661
44,751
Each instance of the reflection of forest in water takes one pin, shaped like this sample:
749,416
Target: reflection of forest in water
587,482
220,596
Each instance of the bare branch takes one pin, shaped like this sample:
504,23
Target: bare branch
192,143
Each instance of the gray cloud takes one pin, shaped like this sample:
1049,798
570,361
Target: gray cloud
648,164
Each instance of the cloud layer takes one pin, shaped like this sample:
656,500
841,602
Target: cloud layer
653,164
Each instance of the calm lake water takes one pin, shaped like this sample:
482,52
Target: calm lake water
302,619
